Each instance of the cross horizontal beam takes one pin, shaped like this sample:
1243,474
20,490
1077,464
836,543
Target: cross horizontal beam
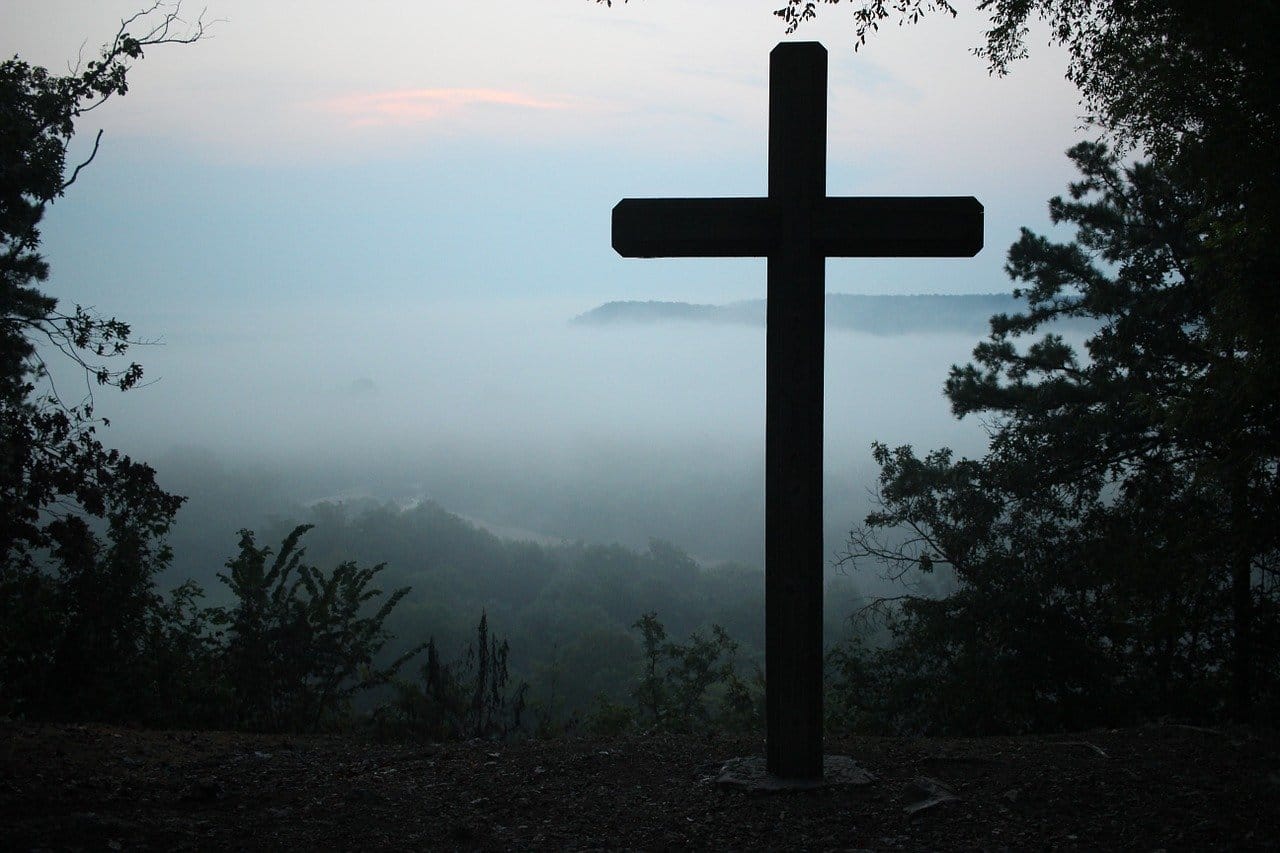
694,227
857,227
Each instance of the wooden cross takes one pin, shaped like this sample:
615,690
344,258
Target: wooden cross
797,227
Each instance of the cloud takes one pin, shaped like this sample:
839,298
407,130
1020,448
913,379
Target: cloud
415,106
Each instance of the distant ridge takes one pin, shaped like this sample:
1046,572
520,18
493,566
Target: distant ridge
887,314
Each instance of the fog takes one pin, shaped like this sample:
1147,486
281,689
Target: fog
507,413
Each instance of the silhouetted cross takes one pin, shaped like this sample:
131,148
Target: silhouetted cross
797,227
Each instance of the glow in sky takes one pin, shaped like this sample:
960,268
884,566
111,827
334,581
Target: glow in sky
415,106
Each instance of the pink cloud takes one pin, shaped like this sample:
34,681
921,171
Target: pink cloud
411,106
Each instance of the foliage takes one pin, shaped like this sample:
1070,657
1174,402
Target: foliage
609,718
95,641
1114,554
186,655
1160,73
567,607
693,685
76,640
297,647
468,698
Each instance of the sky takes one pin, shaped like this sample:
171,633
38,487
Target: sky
449,151
318,199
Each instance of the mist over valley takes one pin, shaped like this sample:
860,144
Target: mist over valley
513,416
503,457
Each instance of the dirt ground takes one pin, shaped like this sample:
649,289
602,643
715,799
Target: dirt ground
69,787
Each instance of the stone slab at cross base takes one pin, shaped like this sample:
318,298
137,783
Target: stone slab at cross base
752,775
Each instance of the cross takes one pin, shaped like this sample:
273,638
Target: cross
797,227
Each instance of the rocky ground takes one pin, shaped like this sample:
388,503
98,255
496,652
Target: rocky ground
1161,787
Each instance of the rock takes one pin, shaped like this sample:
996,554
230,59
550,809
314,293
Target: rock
924,792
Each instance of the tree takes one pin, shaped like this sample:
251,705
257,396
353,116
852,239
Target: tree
77,611
52,465
1115,551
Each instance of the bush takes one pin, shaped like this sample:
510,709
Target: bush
466,699
694,685
297,647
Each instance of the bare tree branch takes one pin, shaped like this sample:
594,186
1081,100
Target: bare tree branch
97,140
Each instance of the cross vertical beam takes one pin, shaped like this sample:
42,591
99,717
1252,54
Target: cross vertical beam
793,412
796,227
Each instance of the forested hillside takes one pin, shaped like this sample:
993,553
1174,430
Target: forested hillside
568,610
